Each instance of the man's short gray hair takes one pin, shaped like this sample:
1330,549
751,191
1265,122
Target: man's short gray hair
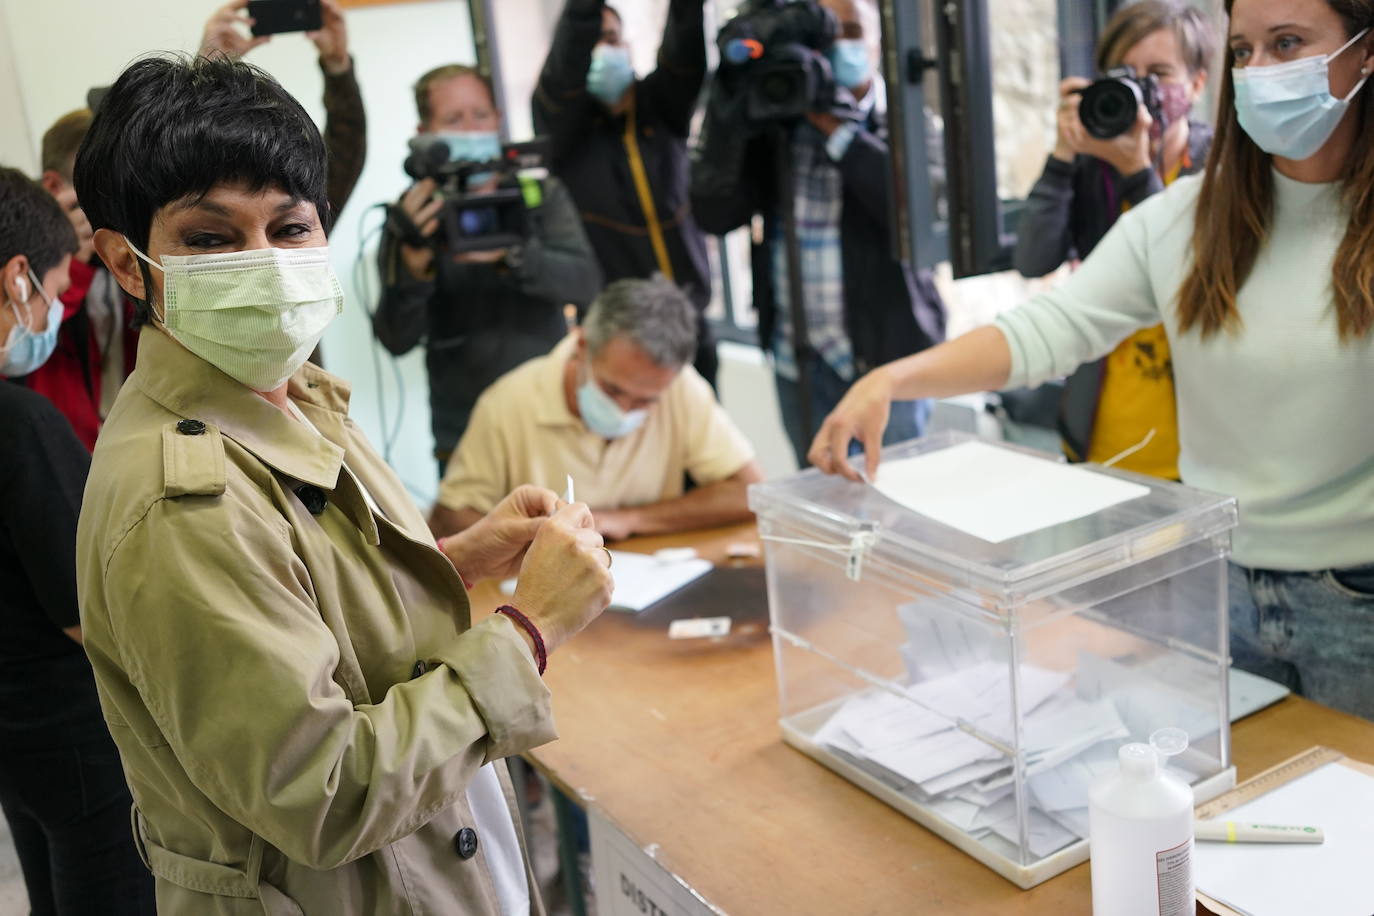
653,313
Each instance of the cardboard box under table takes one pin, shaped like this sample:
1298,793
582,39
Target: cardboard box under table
979,683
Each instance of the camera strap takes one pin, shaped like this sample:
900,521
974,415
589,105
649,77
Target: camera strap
646,199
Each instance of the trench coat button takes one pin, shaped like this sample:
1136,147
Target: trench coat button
190,427
465,843
419,669
313,498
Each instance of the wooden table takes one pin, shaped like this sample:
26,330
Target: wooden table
678,742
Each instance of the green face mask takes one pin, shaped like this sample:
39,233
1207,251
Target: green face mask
254,315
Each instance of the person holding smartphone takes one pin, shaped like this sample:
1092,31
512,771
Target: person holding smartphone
1260,270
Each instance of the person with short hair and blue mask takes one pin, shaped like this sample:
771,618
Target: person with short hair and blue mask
619,142
62,788
618,408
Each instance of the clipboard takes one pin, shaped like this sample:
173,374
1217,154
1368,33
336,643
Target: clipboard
1263,783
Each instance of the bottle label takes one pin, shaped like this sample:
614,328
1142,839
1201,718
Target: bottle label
1174,880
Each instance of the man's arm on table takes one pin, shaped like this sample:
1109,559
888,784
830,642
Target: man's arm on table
721,503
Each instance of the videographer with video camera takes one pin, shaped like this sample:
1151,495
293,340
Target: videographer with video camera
801,76
620,145
1121,140
477,261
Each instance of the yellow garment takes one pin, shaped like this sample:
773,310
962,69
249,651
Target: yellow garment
1137,396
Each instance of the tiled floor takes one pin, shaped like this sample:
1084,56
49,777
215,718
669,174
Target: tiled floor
13,900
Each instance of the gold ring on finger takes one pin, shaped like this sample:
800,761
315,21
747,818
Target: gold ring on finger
610,558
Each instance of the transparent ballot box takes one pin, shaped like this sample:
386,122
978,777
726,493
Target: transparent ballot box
972,638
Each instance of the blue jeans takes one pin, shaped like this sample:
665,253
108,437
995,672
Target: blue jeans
906,421
1310,631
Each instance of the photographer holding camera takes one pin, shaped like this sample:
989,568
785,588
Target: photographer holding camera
475,261
802,76
1121,140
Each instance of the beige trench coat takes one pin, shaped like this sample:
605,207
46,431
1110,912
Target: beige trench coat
299,699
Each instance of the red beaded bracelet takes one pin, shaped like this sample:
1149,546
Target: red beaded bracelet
540,655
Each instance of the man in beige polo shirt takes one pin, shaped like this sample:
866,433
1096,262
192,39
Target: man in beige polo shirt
617,406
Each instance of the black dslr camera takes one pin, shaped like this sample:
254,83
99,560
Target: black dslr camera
777,48
1109,106
471,220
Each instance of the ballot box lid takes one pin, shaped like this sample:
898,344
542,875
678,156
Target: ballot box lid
987,515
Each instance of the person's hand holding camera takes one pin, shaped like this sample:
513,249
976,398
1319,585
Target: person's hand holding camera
332,39
487,255
1128,152
226,32
422,207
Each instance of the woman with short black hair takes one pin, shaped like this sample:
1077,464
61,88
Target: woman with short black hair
308,717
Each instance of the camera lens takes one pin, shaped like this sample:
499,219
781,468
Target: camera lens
1109,107
778,86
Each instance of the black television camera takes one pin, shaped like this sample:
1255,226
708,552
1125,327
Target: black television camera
1109,106
473,220
777,47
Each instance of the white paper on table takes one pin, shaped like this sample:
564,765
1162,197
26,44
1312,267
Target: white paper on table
941,641
641,579
996,494
1280,879
1044,834
1065,787
958,812
1144,702
978,695
935,755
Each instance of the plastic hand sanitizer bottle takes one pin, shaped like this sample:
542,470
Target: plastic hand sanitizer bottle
1140,821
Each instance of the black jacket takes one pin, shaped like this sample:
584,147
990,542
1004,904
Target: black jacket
479,321
1070,208
891,311
587,145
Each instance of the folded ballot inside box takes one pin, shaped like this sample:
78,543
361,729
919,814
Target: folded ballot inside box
973,638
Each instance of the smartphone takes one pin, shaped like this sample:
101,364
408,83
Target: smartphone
271,17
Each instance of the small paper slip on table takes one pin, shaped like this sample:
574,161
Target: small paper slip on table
972,639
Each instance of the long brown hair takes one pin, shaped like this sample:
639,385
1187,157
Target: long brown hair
1236,205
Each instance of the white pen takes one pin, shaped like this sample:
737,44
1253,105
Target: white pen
568,493
1245,832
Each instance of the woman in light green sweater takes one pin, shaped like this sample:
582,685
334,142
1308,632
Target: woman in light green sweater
1262,271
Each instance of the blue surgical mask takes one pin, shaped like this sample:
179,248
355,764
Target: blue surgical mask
850,62
473,146
603,415
1288,109
610,74
26,350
